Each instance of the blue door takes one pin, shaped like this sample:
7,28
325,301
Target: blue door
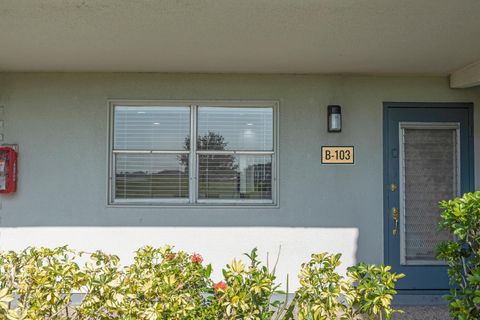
428,157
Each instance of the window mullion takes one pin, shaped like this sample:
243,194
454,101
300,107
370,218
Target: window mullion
193,155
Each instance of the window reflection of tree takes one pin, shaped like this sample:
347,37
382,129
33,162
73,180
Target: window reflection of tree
220,174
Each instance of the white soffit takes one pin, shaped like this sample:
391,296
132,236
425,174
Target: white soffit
466,77
249,36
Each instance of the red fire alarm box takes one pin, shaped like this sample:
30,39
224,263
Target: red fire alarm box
8,170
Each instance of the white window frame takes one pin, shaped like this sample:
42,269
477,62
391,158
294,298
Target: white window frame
193,200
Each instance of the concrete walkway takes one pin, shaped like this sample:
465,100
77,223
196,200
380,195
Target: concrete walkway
439,312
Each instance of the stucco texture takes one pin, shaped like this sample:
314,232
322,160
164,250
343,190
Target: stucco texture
60,122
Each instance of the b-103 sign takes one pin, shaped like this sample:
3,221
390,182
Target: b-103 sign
338,155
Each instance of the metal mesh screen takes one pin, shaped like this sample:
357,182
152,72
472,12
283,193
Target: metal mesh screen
430,175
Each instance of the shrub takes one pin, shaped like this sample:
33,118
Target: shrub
99,281
41,280
366,293
161,284
461,217
371,290
247,291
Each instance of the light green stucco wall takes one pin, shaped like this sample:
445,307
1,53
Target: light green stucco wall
59,121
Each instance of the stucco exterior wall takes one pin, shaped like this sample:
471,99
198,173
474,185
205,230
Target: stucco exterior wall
60,122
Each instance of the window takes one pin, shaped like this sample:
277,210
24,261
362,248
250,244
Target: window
155,158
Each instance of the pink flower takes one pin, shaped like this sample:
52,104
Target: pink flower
196,258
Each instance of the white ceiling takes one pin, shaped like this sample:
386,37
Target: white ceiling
251,36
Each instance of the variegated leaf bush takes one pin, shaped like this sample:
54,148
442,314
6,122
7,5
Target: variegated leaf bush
246,292
365,293
461,217
161,283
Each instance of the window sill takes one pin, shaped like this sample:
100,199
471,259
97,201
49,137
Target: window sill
222,205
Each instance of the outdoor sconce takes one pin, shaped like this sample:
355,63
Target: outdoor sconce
334,118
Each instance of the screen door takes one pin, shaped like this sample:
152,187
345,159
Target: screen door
428,159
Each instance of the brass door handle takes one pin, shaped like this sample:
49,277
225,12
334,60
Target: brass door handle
395,217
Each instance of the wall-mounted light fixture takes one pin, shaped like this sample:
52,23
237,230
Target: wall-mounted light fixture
334,118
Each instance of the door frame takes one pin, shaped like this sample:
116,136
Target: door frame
471,167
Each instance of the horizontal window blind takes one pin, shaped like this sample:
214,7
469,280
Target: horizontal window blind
151,128
154,161
235,177
138,133
151,176
235,128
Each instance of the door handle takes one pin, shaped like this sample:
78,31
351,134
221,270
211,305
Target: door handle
395,217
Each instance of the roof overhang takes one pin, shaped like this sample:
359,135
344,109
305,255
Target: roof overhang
431,37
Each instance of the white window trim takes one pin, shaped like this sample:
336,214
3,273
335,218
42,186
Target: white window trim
193,186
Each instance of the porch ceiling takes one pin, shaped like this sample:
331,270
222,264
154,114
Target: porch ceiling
251,36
